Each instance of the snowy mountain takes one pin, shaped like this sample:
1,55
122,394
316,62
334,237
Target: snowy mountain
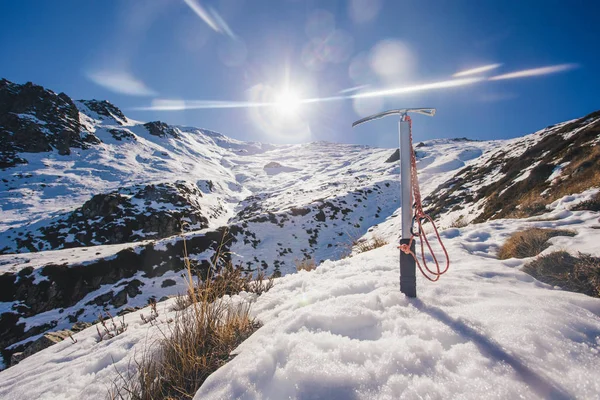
96,206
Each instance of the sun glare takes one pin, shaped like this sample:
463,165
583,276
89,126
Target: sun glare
287,103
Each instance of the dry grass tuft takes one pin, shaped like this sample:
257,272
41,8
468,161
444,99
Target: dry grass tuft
307,264
576,274
580,175
530,242
230,280
459,222
592,204
528,205
198,341
368,245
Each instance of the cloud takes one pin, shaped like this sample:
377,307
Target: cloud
178,105
120,82
477,70
535,72
211,18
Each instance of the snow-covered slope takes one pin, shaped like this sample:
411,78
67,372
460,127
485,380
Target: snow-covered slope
94,205
344,331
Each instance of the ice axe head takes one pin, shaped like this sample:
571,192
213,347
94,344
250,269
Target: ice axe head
430,112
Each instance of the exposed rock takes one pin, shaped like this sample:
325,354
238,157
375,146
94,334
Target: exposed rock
514,194
17,358
65,286
105,109
46,340
124,216
34,119
127,310
273,164
394,157
79,326
122,134
167,283
160,129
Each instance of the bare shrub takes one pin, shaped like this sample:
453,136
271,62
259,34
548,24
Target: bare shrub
530,242
576,274
153,313
110,328
307,264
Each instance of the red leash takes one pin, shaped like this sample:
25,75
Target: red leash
420,216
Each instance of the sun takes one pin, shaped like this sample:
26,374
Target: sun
287,102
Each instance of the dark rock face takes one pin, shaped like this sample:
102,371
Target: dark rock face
505,197
105,109
124,216
34,119
67,285
160,129
122,134
394,157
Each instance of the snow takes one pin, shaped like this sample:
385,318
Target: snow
557,171
345,331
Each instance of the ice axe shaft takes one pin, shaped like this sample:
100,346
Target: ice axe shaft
408,279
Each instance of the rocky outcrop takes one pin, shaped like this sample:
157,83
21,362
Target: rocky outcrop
34,119
124,216
64,286
45,341
160,129
105,109
394,157
122,134
521,183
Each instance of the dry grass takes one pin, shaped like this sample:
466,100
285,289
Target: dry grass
580,175
528,205
307,264
459,222
577,274
592,204
198,341
530,242
368,245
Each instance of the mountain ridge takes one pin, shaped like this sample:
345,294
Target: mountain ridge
273,205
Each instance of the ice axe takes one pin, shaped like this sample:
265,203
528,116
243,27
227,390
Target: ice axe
408,279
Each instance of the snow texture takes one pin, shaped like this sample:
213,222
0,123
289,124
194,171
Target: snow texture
344,331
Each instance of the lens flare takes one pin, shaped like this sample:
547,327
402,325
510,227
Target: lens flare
552,69
478,70
288,100
210,18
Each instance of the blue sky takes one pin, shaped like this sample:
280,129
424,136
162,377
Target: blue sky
181,54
